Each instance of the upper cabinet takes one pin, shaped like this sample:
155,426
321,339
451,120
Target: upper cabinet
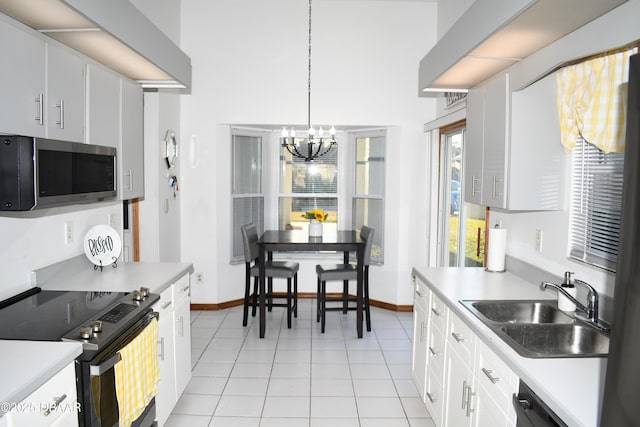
23,89
513,157
131,158
65,106
103,114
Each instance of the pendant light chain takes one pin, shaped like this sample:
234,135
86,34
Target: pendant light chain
309,79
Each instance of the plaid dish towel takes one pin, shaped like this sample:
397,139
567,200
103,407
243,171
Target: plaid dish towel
137,374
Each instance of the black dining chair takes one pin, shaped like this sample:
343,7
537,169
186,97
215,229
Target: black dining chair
345,273
273,269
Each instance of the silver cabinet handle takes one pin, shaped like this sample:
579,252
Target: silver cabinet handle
420,293
165,305
494,190
470,394
181,330
436,312
184,288
423,327
473,185
457,337
433,351
130,186
161,342
489,375
60,122
56,401
431,398
40,117
464,394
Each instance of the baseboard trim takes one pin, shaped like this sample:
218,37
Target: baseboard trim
237,302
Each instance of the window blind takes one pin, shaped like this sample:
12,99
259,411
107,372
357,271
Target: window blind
596,203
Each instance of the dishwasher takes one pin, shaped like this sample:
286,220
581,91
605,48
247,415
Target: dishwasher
531,411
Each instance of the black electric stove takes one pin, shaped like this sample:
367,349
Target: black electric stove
92,318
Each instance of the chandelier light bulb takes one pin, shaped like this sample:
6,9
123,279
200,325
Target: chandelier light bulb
332,131
285,133
293,133
320,132
312,131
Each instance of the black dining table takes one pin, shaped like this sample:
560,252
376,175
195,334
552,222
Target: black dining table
345,241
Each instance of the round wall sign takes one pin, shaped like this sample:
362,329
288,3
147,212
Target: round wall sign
102,245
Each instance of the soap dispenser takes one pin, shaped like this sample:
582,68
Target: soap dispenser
564,303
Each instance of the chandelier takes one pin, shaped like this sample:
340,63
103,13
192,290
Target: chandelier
317,143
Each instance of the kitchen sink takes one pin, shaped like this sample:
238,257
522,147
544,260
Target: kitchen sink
538,329
557,340
520,311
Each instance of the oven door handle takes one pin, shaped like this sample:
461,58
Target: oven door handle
522,407
98,370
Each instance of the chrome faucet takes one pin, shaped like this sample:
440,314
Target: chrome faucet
590,310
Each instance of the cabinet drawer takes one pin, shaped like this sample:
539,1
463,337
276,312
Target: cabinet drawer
421,294
166,303
435,351
461,339
496,377
181,289
438,312
434,397
49,403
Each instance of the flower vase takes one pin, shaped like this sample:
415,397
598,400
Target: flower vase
315,228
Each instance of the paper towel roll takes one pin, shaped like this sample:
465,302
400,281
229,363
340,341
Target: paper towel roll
497,249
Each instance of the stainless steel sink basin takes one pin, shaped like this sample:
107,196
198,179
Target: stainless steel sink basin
537,328
556,340
521,312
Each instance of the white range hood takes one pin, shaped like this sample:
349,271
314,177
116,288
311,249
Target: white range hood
492,35
114,33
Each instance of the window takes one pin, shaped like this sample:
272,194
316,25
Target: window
305,186
368,198
246,186
596,203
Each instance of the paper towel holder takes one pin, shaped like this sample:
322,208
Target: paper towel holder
496,251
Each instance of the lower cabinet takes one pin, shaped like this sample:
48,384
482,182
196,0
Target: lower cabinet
174,346
54,403
465,383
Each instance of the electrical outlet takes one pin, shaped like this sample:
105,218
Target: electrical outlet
200,278
539,240
68,232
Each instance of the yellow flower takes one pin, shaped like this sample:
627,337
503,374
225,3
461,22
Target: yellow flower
317,214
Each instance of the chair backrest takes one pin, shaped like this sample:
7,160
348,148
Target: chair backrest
366,233
249,242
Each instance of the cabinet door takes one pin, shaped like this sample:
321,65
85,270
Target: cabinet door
103,107
23,82
486,412
496,137
130,155
166,397
182,329
65,95
473,146
434,396
419,360
459,391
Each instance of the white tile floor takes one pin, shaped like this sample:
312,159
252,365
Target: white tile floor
300,377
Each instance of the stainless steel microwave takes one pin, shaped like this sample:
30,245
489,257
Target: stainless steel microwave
38,173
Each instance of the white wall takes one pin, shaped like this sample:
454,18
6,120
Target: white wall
250,66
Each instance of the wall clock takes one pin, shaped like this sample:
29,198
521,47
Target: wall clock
170,149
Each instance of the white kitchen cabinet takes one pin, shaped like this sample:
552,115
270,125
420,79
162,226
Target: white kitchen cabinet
65,97
182,325
103,112
53,404
23,81
131,147
459,389
420,335
166,397
513,158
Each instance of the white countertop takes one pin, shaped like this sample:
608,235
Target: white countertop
26,365
77,274
571,387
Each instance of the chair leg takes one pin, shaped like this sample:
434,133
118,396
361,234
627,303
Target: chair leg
367,311
247,290
289,307
254,304
295,295
318,299
345,296
323,305
270,293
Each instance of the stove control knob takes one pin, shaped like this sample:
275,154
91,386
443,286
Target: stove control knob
96,326
86,333
144,291
137,296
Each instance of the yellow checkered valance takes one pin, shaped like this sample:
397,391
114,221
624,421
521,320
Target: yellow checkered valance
592,101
